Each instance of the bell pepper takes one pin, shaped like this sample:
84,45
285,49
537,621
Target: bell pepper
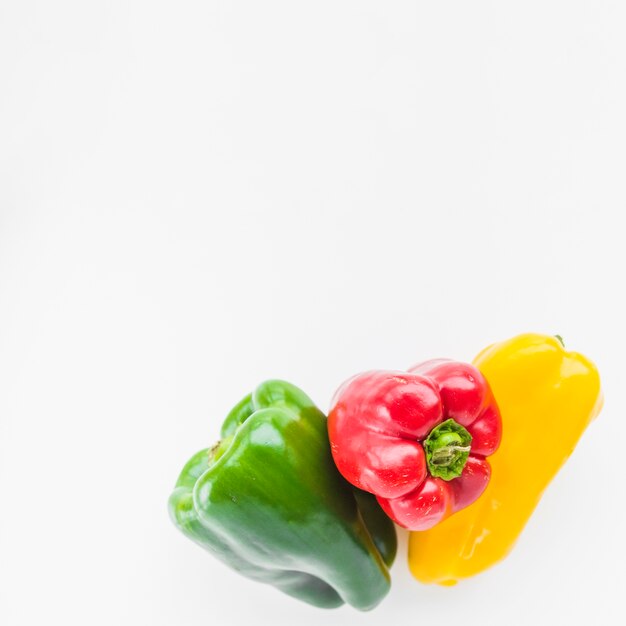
268,501
419,440
547,398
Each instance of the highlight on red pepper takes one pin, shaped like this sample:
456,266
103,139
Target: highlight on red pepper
417,440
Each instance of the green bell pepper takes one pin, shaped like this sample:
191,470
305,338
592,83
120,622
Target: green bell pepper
268,501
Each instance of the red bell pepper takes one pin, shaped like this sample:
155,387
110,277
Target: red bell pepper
416,440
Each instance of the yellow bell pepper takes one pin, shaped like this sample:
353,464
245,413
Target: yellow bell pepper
547,397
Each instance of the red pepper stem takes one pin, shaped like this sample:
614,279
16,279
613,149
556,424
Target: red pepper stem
447,449
445,455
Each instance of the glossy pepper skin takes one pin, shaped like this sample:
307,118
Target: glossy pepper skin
268,501
417,440
547,397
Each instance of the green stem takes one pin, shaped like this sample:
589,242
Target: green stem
447,449
218,449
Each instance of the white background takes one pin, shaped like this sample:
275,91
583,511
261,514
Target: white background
197,196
